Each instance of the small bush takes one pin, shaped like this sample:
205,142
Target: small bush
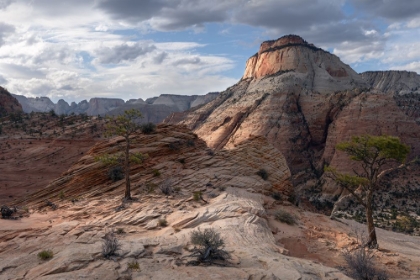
209,247
116,173
197,195
148,128
120,231
263,174
45,255
163,222
110,245
150,187
285,217
6,212
361,266
133,265
276,196
166,187
62,195
156,173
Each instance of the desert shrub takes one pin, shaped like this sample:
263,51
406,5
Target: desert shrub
116,173
7,212
197,195
120,231
1,129
166,186
51,204
150,187
61,195
190,143
182,160
210,152
163,222
361,265
209,247
148,128
45,255
110,245
134,265
285,217
156,173
263,174
276,195
52,113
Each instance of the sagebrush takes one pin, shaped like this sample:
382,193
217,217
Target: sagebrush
209,248
110,245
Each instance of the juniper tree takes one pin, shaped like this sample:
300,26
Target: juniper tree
124,125
377,155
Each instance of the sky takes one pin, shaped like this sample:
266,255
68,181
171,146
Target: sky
130,49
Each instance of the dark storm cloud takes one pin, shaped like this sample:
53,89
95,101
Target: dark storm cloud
122,53
289,15
390,9
5,30
170,14
134,10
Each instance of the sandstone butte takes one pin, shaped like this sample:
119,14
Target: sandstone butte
304,101
238,206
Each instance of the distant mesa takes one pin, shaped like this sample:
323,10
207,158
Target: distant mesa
154,109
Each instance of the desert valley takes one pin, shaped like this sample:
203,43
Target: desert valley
246,164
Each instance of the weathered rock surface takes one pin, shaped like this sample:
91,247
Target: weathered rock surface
38,148
8,104
237,208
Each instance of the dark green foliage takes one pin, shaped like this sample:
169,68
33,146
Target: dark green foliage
52,113
285,217
148,128
209,247
263,174
276,196
116,173
6,212
45,255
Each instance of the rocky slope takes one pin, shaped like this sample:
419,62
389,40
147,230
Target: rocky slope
304,101
237,207
36,148
8,104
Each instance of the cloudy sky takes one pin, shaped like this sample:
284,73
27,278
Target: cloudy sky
80,49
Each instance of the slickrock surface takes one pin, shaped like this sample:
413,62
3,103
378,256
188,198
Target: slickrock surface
239,207
8,104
